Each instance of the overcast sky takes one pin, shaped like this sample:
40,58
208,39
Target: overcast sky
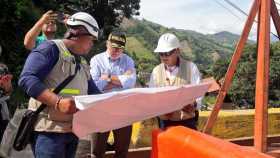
205,16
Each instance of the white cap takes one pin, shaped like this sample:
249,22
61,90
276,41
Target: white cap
166,43
86,20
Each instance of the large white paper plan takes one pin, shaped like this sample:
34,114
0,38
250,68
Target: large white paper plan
104,112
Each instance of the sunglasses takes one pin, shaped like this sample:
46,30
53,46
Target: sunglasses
166,54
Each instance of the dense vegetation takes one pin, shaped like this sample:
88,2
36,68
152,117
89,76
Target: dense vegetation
211,52
18,16
202,49
242,91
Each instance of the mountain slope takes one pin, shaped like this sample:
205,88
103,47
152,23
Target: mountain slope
225,38
202,49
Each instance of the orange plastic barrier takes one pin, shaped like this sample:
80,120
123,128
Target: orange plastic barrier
154,152
181,142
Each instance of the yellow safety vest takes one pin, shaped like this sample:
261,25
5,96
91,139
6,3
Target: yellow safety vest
51,120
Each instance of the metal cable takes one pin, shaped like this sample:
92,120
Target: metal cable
243,12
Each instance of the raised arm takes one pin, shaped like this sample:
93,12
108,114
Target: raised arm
33,33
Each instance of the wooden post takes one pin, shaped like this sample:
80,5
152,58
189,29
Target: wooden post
232,67
261,100
275,17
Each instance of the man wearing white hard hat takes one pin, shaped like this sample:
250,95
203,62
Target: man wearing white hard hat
175,71
46,67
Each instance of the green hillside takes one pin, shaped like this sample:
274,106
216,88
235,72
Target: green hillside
134,45
225,38
202,49
212,54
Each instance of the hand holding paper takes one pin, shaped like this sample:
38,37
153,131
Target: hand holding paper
104,112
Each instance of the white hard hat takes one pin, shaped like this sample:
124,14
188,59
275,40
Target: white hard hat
166,43
86,20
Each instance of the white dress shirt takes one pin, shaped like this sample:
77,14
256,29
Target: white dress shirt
171,73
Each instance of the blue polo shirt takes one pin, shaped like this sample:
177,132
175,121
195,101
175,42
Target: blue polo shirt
38,65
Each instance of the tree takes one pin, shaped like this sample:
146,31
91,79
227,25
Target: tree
219,68
108,13
243,84
17,16
274,74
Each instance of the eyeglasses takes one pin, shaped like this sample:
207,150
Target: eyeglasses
166,54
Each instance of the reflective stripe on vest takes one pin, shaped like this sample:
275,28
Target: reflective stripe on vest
83,61
68,54
69,91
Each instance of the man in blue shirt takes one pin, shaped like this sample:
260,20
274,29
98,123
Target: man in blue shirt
113,70
46,67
